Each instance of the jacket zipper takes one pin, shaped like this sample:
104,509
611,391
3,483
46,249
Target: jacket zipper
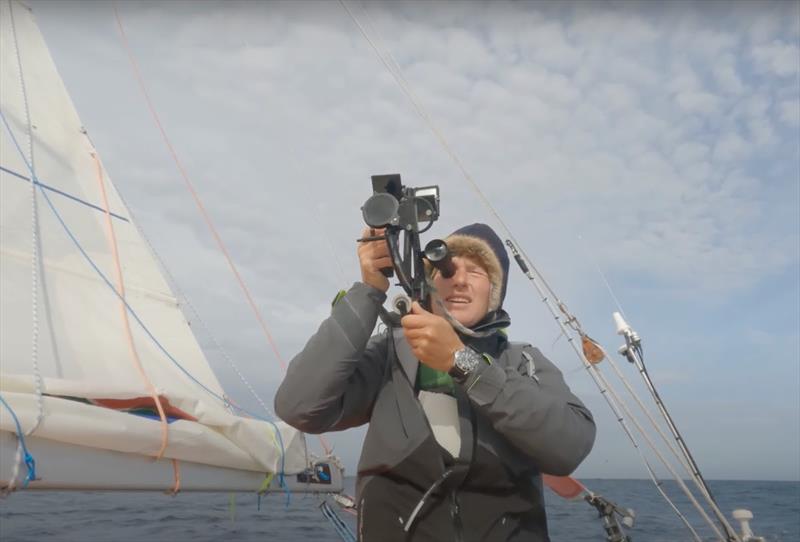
455,511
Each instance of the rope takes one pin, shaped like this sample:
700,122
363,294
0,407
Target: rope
206,217
120,289
35,256
263,489
176,484
30,462
127,306
194,193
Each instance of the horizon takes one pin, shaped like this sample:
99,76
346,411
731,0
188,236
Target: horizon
680,184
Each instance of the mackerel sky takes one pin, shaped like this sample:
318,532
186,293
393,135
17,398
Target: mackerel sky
657,143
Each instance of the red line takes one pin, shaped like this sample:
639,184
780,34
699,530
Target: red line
192,190
200,205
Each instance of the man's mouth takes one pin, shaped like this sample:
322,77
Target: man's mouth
459,300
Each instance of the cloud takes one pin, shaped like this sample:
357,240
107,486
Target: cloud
666,137
790,112
778,58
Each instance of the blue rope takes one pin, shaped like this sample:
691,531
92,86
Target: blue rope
132,312
30,462
62,193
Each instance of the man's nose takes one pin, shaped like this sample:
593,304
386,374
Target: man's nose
460,276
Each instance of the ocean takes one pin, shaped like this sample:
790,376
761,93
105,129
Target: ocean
198,517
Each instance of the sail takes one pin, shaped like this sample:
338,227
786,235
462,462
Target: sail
62,320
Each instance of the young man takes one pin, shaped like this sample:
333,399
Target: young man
460,428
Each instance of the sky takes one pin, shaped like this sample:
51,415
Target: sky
653,147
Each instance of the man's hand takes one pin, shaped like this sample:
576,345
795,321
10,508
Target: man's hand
433,340
374,256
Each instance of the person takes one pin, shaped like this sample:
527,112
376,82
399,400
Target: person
461,427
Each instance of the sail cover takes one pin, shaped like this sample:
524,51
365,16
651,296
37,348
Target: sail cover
60,307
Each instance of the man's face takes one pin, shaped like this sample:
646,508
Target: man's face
466,293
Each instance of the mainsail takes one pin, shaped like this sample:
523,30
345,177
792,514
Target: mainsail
90,331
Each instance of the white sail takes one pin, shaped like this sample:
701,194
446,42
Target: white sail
82,345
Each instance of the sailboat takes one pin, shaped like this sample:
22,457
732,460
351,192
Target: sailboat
103,383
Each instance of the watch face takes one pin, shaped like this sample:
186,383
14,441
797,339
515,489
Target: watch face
466,360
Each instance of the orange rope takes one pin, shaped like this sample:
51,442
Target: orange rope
112,239
176,470
199,203
195,196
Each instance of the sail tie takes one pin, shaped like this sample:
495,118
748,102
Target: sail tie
22,453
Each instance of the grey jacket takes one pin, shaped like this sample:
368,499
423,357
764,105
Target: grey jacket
522,418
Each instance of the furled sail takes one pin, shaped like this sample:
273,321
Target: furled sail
90,331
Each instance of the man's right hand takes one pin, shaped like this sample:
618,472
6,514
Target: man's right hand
374,256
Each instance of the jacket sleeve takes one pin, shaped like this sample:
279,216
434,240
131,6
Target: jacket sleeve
333,382
531,405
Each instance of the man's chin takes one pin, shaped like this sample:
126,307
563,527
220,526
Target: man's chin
462,313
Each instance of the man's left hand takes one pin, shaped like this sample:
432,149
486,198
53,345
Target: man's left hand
433,340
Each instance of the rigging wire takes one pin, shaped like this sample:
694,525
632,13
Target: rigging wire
608,394
684,457
196,197
193,191
587,248
546,291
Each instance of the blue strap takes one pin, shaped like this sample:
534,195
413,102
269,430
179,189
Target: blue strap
30,462
61,193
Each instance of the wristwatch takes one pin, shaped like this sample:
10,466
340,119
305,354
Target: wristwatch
466,361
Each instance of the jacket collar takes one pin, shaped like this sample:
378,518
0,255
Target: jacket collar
495,321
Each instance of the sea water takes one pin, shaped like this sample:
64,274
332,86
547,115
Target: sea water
197,517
